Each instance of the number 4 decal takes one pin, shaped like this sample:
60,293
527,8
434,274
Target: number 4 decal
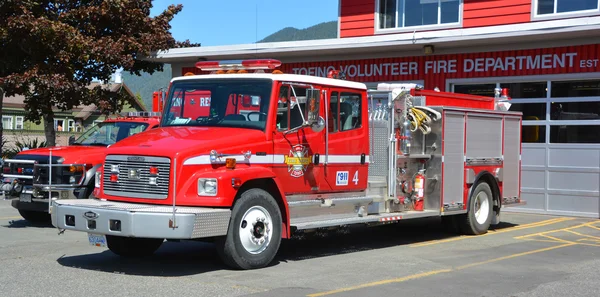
355,178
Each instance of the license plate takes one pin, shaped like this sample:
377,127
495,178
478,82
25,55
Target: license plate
97,239
25,197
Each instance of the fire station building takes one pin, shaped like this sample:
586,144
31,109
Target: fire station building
546,52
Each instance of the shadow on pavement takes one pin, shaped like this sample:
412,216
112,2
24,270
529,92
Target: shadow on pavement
21,223
190,257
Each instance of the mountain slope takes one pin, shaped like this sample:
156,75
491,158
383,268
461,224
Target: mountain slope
320,31
146,83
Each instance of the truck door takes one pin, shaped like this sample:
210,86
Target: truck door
296,147
347,140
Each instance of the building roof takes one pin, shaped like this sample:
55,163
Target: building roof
80,111
512,36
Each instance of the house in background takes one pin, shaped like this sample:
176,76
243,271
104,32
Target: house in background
66,123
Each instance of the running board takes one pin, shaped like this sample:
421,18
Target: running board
327,221
330,202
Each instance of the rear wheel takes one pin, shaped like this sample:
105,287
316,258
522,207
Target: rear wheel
35,216
132,247
254,233
478,219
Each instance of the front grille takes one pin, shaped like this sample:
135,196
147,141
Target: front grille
14,168
134,177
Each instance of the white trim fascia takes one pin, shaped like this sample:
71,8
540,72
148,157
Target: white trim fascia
453,35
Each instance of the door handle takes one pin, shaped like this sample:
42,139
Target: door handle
316,159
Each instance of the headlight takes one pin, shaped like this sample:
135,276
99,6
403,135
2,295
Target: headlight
207,187
97,178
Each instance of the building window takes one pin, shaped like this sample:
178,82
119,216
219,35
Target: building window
558,111
70,125
574,134
476,89
415,13
59,125
7,122
19,123
558,7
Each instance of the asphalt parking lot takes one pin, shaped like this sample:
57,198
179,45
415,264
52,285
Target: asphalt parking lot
527,255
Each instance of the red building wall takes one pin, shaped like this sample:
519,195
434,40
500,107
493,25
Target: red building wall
357,18
478,13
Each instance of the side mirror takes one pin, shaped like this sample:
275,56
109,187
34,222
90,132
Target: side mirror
71,139
313,104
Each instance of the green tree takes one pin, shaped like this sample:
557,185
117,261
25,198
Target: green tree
52,50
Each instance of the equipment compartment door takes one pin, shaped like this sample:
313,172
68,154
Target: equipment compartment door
296,146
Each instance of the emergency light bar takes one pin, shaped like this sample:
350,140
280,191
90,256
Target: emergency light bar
144,114
255,64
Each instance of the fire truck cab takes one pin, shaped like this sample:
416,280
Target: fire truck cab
276,153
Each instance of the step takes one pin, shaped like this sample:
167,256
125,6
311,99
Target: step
331,221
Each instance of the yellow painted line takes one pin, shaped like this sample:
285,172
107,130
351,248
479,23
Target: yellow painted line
491,232
516,255
589,239
9,218
557,239
434,272
540,240
584,235
556,230
383,282
593,227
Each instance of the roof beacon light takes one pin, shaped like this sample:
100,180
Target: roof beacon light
233,66
504,94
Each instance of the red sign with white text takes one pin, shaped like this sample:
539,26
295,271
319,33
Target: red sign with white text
435,69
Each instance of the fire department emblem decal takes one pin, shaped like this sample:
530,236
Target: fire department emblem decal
297,160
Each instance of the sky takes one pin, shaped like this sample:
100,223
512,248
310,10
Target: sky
227,22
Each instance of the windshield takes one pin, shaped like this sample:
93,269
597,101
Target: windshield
107,133
239,103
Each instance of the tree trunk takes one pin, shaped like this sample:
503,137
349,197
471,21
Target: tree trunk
49,129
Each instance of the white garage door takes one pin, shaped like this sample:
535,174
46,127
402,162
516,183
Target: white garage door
561,139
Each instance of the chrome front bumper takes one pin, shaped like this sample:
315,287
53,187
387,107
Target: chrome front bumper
139,220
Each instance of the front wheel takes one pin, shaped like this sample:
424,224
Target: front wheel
478,219
254,233
132,247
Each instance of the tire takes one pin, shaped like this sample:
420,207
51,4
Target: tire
35,216
132,247
478,219
254,233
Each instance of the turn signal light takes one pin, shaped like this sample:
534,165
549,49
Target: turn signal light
75,168
230,163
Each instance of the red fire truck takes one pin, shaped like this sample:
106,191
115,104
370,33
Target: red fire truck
25,177
314,153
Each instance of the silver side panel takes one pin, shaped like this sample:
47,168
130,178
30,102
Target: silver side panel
142,220
454,166
484,136
510,173
379,158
